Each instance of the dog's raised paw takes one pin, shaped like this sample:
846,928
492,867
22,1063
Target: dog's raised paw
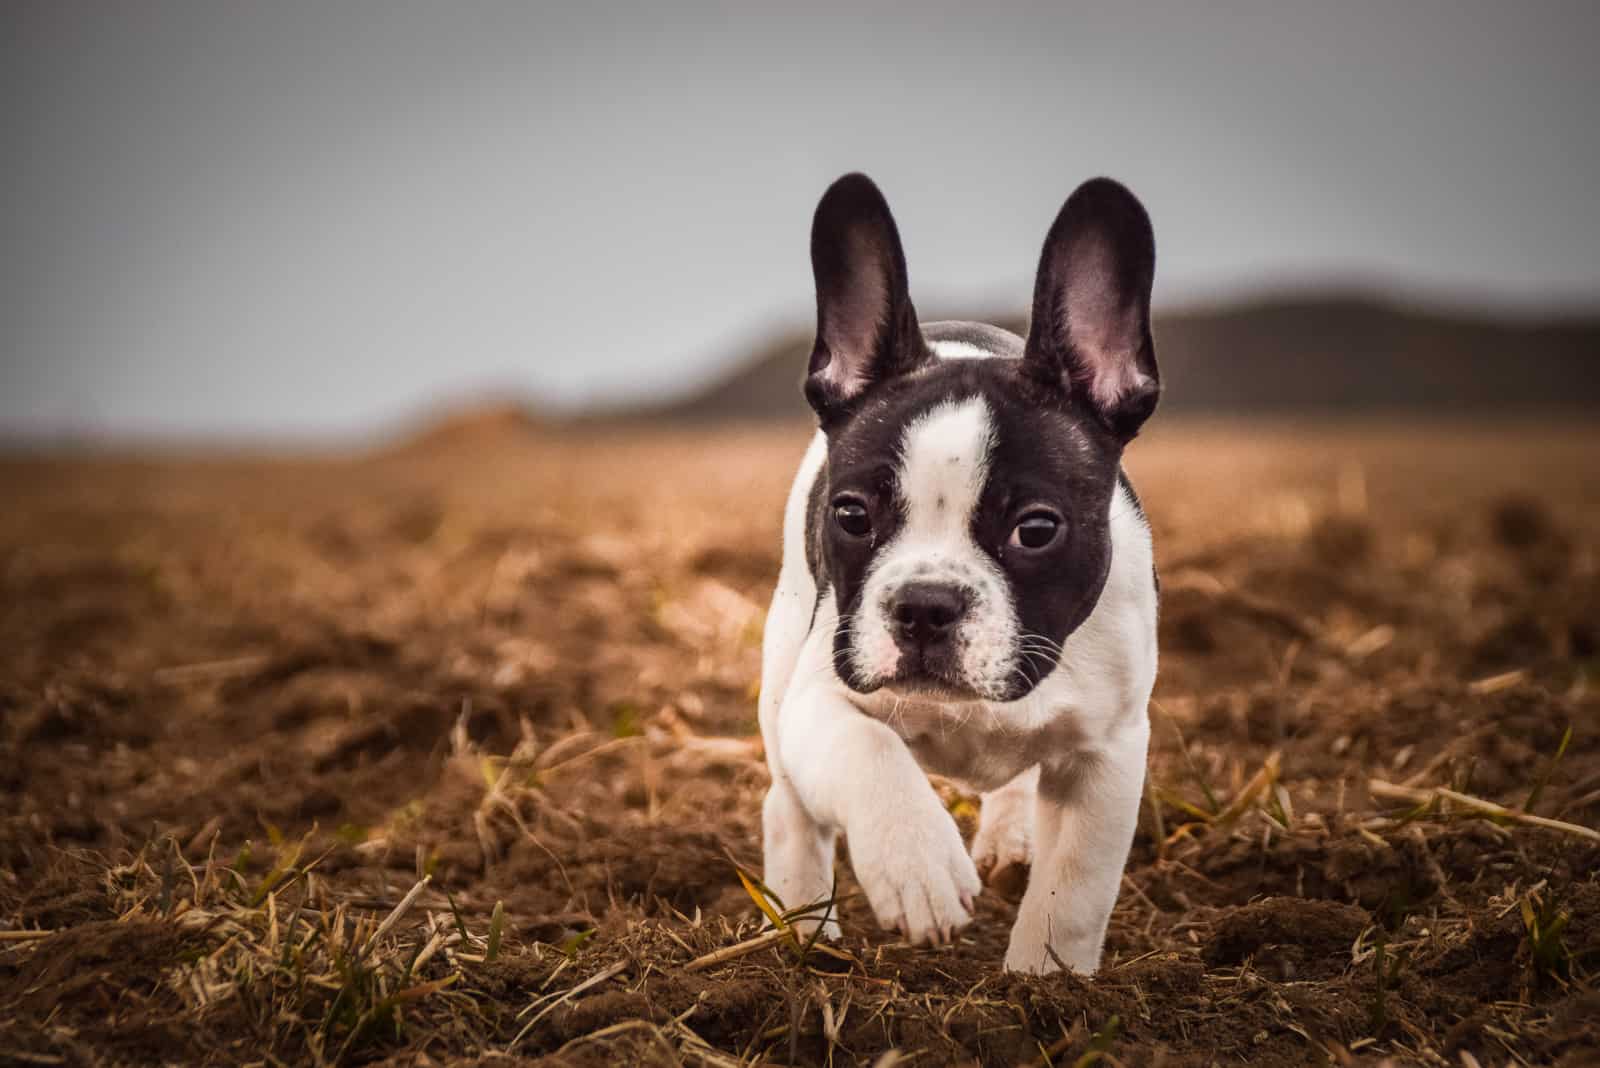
918,877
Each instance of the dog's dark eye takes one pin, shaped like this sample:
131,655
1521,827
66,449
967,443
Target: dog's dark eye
1036,530
852,517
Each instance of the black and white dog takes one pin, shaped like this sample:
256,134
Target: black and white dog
967,586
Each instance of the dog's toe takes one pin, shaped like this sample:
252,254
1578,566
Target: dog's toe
1002,855
1008,880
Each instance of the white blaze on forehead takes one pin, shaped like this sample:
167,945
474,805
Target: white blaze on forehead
944,463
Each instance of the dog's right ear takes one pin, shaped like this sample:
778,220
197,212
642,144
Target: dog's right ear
1090,334
866,327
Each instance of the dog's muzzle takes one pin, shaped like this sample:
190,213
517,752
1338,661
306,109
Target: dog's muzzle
925,618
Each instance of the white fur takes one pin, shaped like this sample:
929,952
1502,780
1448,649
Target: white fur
1064,765
960,350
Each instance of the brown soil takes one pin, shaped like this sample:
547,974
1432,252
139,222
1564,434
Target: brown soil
246,704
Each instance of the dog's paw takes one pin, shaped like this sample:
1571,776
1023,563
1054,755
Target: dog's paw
805,927
1052,933
1002,851
1028,955
917,875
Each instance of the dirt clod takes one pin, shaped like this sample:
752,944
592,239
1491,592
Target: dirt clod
1288,937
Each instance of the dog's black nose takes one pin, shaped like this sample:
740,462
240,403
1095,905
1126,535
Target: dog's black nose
927,612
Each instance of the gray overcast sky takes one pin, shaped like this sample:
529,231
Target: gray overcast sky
281,218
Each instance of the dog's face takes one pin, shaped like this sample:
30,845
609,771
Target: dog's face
962,518
965,532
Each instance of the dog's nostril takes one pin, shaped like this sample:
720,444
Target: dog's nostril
927,610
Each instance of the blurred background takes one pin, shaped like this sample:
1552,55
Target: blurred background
296,222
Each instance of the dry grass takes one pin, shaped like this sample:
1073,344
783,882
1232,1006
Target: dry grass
449,757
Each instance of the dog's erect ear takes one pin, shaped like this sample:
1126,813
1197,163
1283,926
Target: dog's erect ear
866,327
1090,333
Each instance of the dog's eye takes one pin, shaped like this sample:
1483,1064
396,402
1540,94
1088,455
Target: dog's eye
1036,530
852,517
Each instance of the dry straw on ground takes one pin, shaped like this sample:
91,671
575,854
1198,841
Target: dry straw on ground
447,755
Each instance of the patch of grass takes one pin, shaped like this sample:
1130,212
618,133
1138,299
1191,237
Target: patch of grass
625,720
497,926
1100,1045
1260,792
1544,924
573,944
1385,972
322,981
1549,770
816,914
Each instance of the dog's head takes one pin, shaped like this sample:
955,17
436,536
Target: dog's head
962,517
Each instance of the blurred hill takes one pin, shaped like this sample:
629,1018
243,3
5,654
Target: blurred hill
1341,354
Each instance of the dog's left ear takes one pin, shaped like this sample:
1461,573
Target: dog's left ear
866,327
1090,333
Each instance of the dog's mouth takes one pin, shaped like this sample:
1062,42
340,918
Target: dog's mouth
926,678
930,675
926,686
936,680
933,686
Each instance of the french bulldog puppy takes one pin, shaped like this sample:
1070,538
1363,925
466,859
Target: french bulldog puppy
967,587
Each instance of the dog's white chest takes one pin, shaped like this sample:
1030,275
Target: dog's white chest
980,744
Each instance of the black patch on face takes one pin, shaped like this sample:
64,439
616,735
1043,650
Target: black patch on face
862,454
1050,450
1066,460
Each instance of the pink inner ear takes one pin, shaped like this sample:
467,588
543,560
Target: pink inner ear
855,319
843,378
1105,332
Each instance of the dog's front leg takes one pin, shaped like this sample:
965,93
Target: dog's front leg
797,857
852,773
1083,829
